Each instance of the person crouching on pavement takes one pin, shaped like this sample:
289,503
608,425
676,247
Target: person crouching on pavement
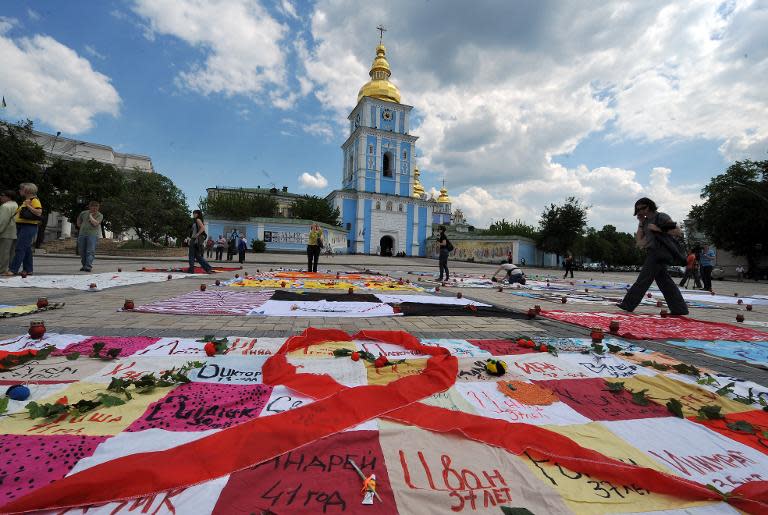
514,273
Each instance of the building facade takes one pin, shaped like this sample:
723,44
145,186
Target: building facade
285,199
279,234
383,206
59,147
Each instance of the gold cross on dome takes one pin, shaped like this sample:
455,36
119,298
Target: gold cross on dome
381,30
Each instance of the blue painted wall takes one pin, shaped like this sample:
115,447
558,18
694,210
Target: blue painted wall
349,210
405,169
370,164
387,125
528,251
409,228
367,225
423,231
387,185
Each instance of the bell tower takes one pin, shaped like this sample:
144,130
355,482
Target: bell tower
378,154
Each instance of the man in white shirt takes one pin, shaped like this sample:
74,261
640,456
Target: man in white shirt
514,273
8,210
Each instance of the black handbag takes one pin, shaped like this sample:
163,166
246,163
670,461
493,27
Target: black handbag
671,249
27,214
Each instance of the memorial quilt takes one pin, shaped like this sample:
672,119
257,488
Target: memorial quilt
657,327
272,425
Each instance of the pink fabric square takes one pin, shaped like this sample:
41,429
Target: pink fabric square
30,462
127,345
203,406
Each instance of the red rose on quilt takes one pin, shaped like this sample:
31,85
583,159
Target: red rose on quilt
210,349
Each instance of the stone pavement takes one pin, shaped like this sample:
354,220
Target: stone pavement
96,313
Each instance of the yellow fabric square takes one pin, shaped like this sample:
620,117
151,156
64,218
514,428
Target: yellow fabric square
99,422
386,375
662,388
434,474
587,495
450,399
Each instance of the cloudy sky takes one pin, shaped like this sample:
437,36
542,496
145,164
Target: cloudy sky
516,103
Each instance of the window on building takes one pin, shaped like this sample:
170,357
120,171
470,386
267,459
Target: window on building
389,206
405,154
350,170
400,208
370,149
349,226
386,165
349,243
378,205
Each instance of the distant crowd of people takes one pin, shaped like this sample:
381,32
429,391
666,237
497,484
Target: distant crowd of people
21,215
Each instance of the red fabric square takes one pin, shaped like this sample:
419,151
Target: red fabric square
312,479
500,347
758,419
590,398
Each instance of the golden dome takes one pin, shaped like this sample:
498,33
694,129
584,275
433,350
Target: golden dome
418,189
444,198
379,85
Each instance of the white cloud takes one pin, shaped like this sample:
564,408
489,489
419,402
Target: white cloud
610,193
243,45
91,50
288,9
7,24
320,129
52,83
514,86
33,15
316,181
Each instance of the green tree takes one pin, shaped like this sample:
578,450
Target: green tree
23,160
238,205
317,209
152,206
516,228
79,182
734,214
561,226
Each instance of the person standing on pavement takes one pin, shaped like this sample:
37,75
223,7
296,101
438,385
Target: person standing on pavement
89,226
568,264
242,246
197,239
707,264
445,250
28,216
220,244
652,227
690,267
8,209
314,244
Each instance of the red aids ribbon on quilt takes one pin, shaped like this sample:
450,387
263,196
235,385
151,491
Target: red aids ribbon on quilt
339,407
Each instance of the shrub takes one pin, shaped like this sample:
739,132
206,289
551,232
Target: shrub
258,245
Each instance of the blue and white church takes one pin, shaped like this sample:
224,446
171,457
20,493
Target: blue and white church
383,205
